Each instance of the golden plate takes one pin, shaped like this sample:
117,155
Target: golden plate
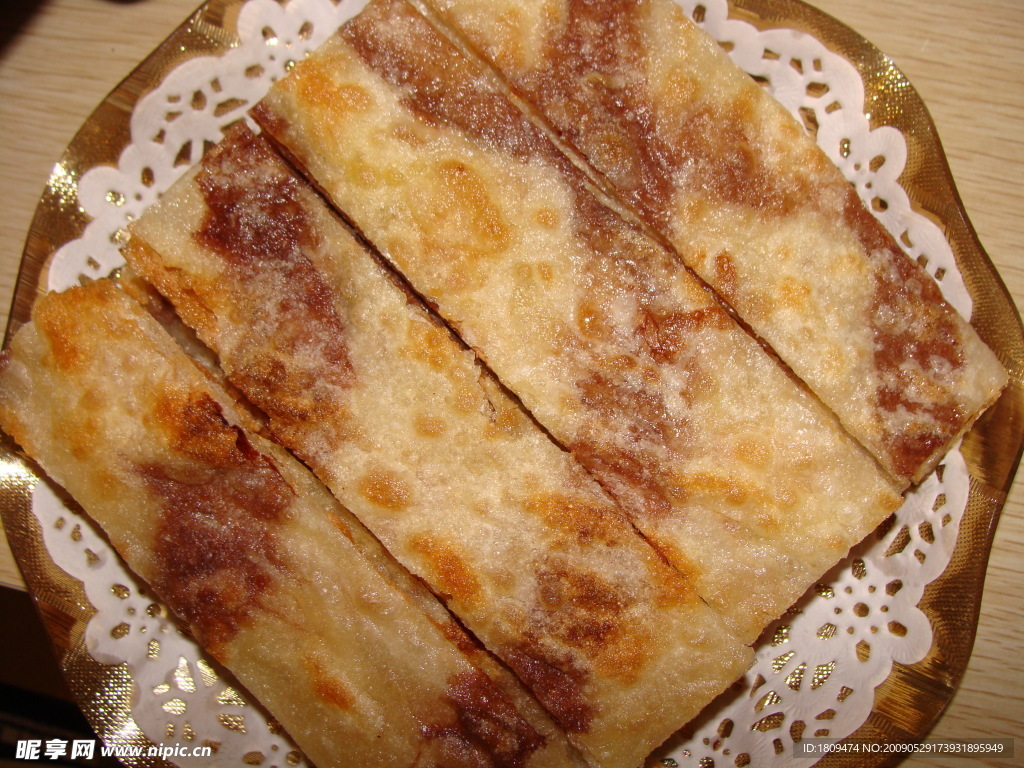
906,705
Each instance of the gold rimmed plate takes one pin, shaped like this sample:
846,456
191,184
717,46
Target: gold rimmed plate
907,703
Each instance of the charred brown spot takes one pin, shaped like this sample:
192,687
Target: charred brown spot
630,469
456,635
689,570
215,554
624,473
675,581
195,426
316,86
584,520
590,90
294,358
431,344
592,320
507,420
754,452
721,487
585,612
865,227
269,119
403,48
580,608
911,448
646,418
333,692
451,574
559,687
907,357
385,489
485,730
665,333
585,621
464,189
587,91
59,320
251,218
725,165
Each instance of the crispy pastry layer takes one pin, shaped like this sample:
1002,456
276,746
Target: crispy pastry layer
709,159
424,447
741,480
271,574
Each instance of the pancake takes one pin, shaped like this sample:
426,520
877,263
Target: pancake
272,576
425,448
751,203
742,480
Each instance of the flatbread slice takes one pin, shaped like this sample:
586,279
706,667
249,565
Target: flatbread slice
271,574
424,447
737,476
750,202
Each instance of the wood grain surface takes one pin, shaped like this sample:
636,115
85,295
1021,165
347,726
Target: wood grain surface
59,58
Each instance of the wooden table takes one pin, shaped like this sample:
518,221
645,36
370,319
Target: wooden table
966,58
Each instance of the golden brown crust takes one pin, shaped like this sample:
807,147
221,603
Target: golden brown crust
719,459
748,200
270,572
628,361
215,552
428,451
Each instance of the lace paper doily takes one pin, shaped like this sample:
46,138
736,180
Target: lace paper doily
816,668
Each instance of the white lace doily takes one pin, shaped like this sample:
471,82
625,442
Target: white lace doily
816,668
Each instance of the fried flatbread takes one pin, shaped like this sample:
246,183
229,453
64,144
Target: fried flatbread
709,159
423,446
270,573
741,479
